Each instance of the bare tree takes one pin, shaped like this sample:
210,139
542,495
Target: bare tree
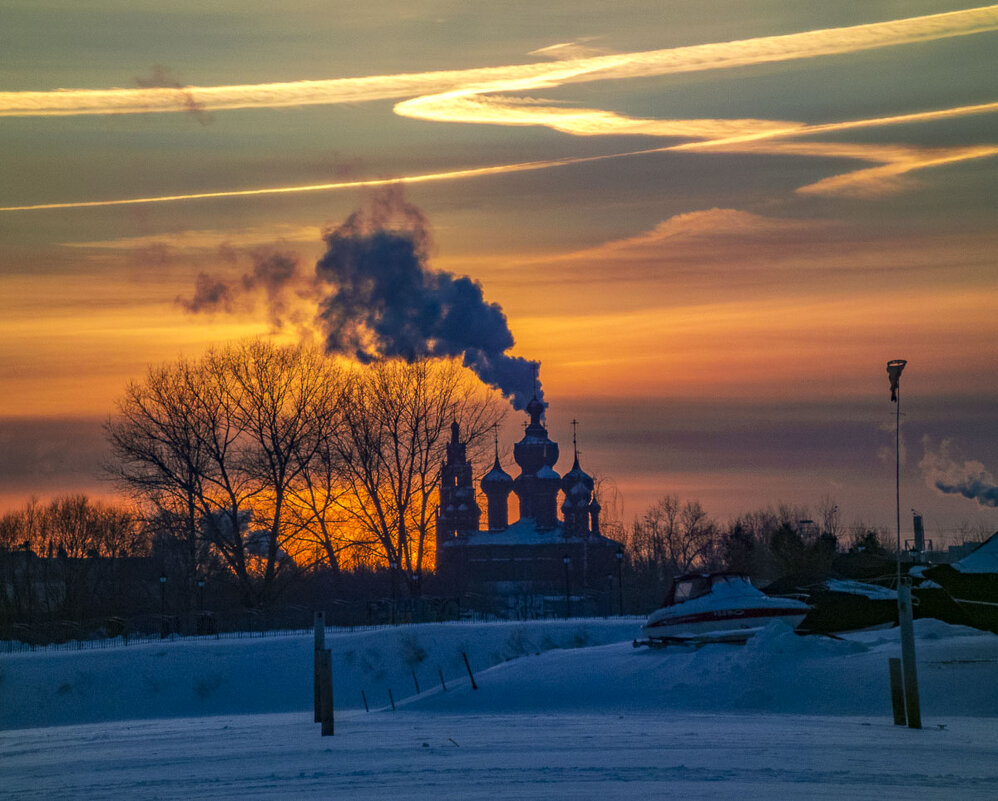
285,404
225,439
160,453
674,537
396,419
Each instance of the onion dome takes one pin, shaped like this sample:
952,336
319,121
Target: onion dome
496,478
576,476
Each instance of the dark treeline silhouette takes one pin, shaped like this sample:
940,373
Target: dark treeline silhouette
76,568
674,537
70,559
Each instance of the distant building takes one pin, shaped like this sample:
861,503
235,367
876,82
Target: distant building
541,563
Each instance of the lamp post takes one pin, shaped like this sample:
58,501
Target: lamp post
202,625
393,567
905,611
620,580
162,606
567,561
27,580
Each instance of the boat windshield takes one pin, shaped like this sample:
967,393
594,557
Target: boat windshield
690,588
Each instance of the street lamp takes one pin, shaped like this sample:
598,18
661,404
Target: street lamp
162,606
393,567
620,579
27,579
567,561
202,623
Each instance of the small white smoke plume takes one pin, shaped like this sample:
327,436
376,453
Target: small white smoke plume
949,473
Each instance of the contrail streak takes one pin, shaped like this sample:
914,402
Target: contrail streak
809,44
755,142
284,190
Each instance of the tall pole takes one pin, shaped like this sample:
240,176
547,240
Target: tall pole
905,611
897,478
894,368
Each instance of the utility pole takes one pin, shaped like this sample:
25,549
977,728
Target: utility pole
905,612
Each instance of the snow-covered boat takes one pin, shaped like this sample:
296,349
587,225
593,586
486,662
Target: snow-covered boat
973,584
717,607
838,604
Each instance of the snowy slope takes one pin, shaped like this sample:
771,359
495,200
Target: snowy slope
781,718
186,678
775,672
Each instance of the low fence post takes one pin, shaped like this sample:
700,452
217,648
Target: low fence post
470,674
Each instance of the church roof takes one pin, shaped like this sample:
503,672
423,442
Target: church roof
523,532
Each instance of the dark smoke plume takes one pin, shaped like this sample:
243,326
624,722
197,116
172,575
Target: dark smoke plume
162,78
275,278
373,296
385,302
947,474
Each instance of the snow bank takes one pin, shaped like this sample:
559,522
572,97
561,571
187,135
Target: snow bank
775,672
538,667
191,678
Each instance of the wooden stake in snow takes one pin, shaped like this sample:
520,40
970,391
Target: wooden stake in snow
414,679
440,673
320,643
363,696
391,698
470,674
325,659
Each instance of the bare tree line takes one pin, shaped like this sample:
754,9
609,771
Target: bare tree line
73,533
274,459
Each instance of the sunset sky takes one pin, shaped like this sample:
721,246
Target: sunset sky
713,223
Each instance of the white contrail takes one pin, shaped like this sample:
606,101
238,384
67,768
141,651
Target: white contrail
725,55
890,154
468,97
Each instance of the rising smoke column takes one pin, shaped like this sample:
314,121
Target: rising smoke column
384,301
948,474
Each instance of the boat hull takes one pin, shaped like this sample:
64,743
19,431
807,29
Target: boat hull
715,622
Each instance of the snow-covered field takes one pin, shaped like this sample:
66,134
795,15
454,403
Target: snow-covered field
564,709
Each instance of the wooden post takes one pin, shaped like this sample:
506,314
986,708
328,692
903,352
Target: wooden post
440,673
470,674
905,620
391,698
897,691
363,695
325,659
320,644
414,679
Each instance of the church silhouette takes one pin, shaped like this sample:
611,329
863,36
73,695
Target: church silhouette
541,564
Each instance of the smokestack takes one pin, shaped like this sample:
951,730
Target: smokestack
919,533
